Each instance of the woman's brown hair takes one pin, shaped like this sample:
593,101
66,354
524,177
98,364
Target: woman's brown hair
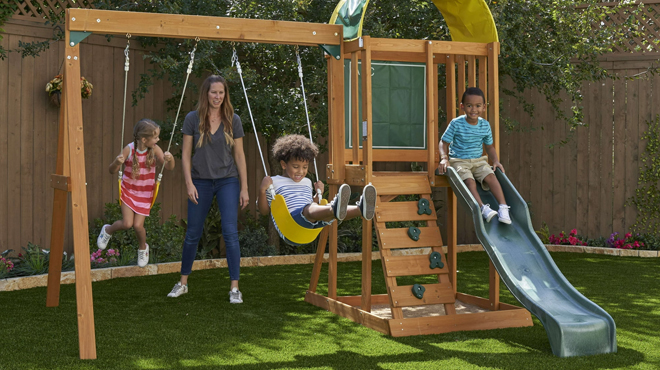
226,112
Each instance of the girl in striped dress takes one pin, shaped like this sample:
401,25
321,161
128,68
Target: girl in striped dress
141,157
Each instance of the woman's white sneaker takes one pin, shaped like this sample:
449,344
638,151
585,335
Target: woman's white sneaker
178,290
235,296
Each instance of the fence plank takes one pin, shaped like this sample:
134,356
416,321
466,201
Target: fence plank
5,103
618,182
594,159
606,147
41,179
14,145
632,148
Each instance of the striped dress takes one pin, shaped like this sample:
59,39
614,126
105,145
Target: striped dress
138,193
296,194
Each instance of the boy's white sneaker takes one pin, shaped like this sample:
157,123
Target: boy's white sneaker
367,202
340,203
503,214
143,256
235,296
178,290
103,239
487,212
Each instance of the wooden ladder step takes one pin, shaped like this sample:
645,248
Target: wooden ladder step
398,238
402,296
412,265
401,211
401,184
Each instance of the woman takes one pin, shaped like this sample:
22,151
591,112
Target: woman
216,134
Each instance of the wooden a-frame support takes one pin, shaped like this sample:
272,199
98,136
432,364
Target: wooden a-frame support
70,168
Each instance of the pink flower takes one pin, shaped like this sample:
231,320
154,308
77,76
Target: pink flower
574,232
628,235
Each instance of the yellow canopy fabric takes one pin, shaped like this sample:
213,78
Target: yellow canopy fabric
288,226
468,20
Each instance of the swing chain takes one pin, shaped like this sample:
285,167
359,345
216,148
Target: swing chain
300,70
126,51
234,60
192,56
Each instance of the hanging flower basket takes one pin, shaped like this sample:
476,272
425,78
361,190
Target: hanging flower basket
54,89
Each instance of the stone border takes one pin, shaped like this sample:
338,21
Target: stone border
68,277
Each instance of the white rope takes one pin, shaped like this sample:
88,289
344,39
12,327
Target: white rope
309,126
234,60
123,116
183,93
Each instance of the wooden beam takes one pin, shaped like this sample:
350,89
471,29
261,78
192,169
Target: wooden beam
451,88
411,265
205,27
60,182
434,294
352,313
332,252
419,46
393,155
356,300
494,287
451,323
402,211
74,125
336,119
406,183
60,199
398,238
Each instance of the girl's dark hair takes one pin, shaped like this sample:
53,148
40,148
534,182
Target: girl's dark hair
294,147
226,112
144,129
473,91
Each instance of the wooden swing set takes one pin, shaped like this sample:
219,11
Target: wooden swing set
352,164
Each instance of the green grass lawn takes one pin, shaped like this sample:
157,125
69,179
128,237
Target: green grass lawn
138,327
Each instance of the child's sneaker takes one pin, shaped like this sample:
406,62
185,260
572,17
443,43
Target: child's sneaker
103,239
178,290
503,214
367,202
340,203
487,212
143,256
235,296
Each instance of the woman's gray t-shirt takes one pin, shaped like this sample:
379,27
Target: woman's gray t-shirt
214,160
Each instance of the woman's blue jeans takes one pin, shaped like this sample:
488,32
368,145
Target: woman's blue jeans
227,192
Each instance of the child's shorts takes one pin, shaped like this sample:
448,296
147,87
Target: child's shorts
475,168
300,219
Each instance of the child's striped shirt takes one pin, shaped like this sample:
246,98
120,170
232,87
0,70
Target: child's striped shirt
466,141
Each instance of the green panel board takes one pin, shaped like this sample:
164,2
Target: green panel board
398,98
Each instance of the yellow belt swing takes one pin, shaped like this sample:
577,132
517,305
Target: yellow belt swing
123,118
288,227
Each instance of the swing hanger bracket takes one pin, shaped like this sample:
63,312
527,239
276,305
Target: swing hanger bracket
75,37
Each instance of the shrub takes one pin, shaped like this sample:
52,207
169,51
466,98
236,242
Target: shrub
32,261
571,239
5,267
253,237
165,240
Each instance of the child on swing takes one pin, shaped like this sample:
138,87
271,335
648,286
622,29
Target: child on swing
294,152
141,158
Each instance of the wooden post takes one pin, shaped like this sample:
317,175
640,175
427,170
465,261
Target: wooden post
367,143
74,125
431,108
451,88
336,119
494,119
60,200
318,261
355,108
365,302
332,253
483,81
451,237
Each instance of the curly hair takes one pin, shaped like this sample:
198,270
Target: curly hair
294,147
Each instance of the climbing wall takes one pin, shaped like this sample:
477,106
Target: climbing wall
392,221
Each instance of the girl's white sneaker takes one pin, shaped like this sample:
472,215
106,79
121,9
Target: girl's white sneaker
503,214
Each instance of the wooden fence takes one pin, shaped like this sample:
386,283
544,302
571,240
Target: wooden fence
584,184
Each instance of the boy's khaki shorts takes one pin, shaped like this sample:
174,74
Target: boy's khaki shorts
476,168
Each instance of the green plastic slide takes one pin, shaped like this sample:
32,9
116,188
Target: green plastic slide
575,325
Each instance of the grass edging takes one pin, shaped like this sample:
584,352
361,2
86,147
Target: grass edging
68,277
